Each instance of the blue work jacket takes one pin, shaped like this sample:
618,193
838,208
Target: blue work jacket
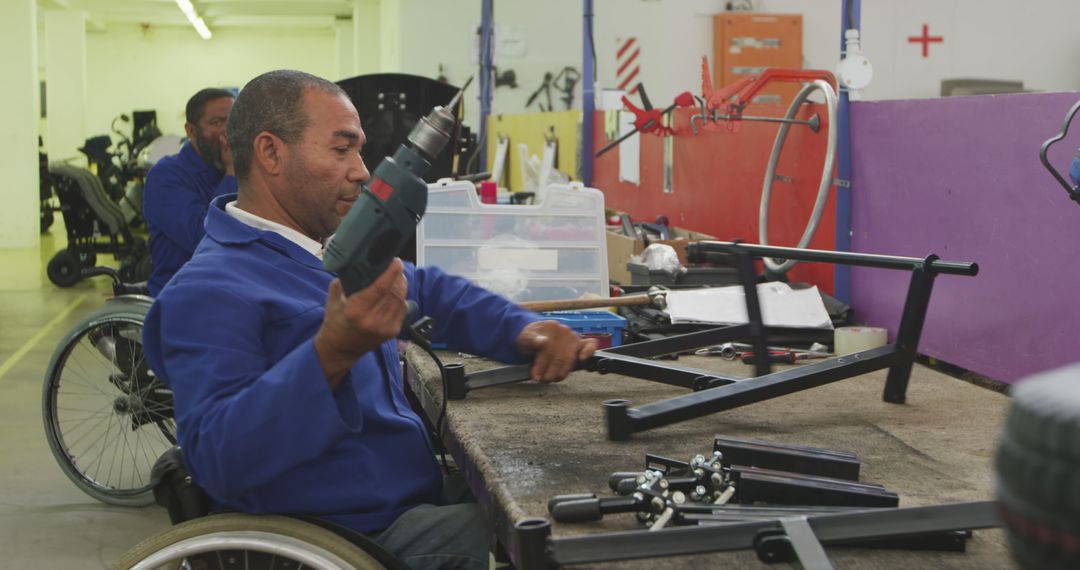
232,335
178,192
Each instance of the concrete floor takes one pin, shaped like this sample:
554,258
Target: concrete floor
46,522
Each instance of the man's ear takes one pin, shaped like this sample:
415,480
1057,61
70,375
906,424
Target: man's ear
190,130
270,153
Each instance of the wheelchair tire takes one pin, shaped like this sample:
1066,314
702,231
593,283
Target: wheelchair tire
234,538
107,418
65,268
1038,468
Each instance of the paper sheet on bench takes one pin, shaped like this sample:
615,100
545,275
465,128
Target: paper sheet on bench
781,306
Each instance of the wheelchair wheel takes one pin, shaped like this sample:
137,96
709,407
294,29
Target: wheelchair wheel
233,540
64,269
107,418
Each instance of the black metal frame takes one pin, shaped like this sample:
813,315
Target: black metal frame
633,359
778,539
898,357
716,392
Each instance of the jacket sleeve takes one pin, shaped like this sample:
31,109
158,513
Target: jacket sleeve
173,204
241,420
468,317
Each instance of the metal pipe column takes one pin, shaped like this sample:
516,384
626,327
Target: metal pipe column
842,275
487,75
588,96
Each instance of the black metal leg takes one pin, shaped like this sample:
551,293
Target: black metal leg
753,313
911,325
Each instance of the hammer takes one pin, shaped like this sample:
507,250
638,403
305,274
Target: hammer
656,296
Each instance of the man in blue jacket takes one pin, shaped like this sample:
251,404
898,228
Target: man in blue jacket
179,187
288,394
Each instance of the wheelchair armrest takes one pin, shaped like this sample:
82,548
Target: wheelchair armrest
140,288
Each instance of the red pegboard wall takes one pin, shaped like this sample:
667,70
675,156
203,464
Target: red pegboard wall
717,183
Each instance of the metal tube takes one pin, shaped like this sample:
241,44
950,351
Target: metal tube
843,257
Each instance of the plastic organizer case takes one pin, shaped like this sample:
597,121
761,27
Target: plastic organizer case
555,249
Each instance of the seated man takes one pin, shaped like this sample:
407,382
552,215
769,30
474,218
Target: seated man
179,187
288,394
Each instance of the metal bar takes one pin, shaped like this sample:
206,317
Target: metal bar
843,234
907,336
764,119
829,528
623,420
762,364
673,374
807,548
487,75
682,342
849,258
588,97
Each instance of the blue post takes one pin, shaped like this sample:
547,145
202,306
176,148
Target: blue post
842,276
487,75
588,97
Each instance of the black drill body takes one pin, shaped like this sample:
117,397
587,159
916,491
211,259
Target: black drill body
385,215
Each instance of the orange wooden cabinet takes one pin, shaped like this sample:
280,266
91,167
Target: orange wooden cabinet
745,43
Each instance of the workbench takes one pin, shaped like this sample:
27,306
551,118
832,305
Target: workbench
518,445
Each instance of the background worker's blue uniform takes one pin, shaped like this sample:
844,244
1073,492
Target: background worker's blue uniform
178,192
232,335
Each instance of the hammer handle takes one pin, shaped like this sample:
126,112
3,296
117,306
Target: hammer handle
572,304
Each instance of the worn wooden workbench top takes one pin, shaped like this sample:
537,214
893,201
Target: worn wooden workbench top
521,444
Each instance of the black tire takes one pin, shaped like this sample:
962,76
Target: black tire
65,268
218,534
1038,467
107,418
47,218
87,257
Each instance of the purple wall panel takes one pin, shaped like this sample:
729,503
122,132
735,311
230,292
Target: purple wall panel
960,177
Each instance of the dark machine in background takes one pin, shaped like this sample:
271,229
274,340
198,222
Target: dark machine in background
390,105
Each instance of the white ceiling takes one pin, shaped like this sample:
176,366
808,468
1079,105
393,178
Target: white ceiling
291,14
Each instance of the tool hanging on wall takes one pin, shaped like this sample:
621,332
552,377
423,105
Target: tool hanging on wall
727,104
647,119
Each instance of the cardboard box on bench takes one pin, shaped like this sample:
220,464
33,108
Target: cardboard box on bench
620,248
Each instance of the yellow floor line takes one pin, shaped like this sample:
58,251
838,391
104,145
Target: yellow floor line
29,344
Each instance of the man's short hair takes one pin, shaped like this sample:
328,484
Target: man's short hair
272,102
197,104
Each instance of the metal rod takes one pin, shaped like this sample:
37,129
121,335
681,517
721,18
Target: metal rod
848,258
829,529
622,420
808,123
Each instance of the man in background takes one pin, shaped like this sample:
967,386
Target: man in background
179,188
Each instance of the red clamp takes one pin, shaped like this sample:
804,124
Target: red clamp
648,120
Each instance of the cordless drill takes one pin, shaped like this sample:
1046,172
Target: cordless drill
385,215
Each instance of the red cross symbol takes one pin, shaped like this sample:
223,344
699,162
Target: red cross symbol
925,40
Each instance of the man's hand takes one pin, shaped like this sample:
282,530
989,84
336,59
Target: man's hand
555,348
226,156
359,323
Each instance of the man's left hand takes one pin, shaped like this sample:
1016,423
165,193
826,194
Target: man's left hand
556,349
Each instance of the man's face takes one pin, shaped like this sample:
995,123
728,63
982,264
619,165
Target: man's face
324,169
207,133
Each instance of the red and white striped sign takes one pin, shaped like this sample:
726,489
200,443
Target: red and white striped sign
626,62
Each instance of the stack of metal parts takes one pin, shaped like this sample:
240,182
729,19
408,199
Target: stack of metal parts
743,481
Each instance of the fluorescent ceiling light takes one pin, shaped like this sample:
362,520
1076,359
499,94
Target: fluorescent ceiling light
193,17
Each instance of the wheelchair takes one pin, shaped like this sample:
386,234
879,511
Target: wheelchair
107,417
95,224
222,541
